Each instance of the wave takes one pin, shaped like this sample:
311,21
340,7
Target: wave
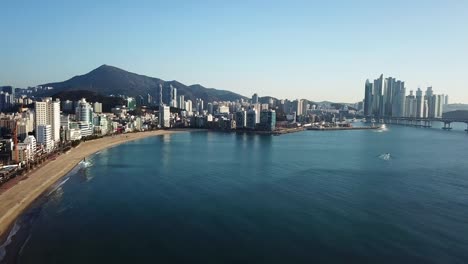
58,186
13,232
85,164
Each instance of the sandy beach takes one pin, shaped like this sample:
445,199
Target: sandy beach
14,200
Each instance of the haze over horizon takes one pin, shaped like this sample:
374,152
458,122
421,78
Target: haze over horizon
300,49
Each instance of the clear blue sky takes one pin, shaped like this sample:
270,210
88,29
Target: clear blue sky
319,50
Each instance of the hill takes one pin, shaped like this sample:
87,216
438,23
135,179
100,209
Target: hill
109,80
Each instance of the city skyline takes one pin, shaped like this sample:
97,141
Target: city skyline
299,50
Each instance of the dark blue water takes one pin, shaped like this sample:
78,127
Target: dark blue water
307,197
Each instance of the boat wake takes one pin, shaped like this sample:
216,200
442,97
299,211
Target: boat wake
385,156
383,128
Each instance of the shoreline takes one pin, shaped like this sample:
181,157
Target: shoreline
17,198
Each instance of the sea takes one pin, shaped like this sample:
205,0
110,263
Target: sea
398,195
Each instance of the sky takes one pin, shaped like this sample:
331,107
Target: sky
317,50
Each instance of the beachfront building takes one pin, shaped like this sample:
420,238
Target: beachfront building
241,119
268,120
84,117
47,112
31,141
251,119
164,116
44,137
24,152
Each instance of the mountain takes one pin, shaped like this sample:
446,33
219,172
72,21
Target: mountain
109,80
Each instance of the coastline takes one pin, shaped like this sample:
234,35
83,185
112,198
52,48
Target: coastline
16,199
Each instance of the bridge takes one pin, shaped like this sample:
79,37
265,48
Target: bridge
423,122
457,116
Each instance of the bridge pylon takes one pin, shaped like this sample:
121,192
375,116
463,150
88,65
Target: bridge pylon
447,125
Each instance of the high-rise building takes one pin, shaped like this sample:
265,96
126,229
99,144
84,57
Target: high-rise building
174,98
410,105
199,106
255,98
425,109
131,103
298,104
67,105
419,103
47,112
209,107
377,98
251,119
160,95
97,107
164,116
437,106
84,116
31,141
368,98
268,120
44,137
181,103
388,95
241,119
398,101
188,106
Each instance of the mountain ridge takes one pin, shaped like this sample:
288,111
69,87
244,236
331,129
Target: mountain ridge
111,80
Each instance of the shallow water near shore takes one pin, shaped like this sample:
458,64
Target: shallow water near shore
234,198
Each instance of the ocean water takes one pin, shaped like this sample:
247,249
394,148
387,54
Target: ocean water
397,196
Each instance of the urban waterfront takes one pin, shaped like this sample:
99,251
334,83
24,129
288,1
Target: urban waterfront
237,198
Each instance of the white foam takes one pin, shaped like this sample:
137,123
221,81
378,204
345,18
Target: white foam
13,232
385,156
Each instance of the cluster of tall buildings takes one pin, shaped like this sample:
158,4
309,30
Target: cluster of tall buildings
7,97
387,98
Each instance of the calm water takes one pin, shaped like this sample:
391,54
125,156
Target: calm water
206,197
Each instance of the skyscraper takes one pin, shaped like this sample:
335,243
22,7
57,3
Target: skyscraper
160,95
410,105
430,103
419,103
174,98
368,99
377,98
181,103
398,99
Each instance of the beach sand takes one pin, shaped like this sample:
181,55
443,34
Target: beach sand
17,198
